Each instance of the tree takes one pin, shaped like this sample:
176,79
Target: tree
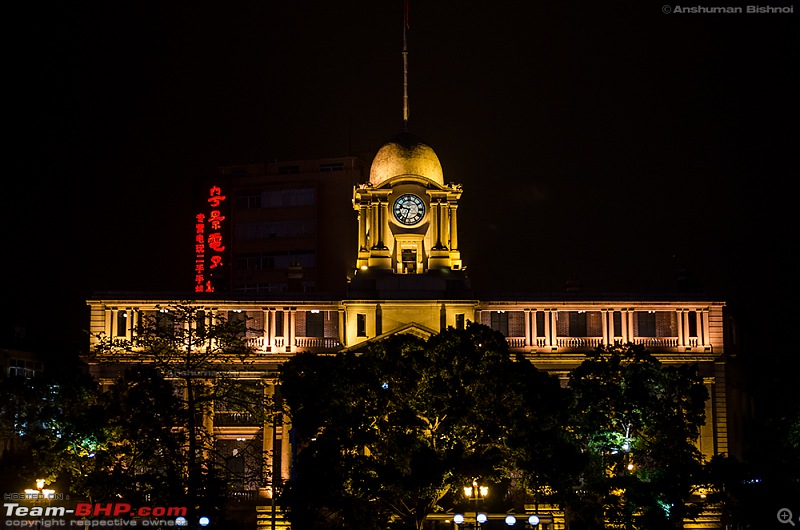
143,461
196,350
57,422
636,420
391,434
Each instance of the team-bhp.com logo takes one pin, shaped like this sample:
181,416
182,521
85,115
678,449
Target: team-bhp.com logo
118,509
87,509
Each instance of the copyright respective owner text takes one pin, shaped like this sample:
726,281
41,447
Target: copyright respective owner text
755,9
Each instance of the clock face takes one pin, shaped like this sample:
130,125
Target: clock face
409,209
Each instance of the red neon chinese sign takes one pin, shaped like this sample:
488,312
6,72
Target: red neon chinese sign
209,243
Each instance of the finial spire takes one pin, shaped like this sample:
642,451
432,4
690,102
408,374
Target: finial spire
405,65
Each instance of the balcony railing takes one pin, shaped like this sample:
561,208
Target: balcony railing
657,342
243,496
579,343
591,343
316,343
234,419
326,343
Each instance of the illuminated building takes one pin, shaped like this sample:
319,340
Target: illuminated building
276,227
408,277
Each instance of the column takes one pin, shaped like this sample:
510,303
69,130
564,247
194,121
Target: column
268,443
342,327
453,227
265,331
384,226
528,341
623,317
286,318
286,449
362,227
686,340
444,223
631,327
606,334
208,415
705,334
437,236
374,224
272,330
290,347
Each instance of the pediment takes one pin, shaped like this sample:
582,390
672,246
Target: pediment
412,328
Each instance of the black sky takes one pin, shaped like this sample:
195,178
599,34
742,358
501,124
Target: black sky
609,144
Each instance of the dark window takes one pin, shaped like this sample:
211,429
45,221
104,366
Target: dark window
315,326
577,324
361,325
275,229
500,322
288,170
337,166
122,323
617,323
165,324
540,324
238,322
279,323
646,323
248,200
459,320
200,323
693,323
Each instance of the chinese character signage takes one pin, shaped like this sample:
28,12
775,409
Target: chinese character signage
209,241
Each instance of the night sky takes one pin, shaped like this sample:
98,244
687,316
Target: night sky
607,143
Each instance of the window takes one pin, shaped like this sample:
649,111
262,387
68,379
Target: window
499,322
238,322
288,170
165,324
279,323
288,197
577,324
248,200
540,324
361,325
617,318
275,229
326,168
122,324
459,320
692,324
315,326
23,368
200,323
646,323
269,261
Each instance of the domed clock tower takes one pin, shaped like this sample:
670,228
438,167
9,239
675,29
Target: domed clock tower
407,215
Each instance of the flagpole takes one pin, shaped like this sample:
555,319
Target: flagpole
405,66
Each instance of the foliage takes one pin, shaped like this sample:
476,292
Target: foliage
56,422
196,352
636,420
391,433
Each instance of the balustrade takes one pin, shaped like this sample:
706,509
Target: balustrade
325,343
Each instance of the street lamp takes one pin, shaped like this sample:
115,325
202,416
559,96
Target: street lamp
39,494
474,493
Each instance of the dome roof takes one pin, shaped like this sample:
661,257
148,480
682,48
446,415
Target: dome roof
405,154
